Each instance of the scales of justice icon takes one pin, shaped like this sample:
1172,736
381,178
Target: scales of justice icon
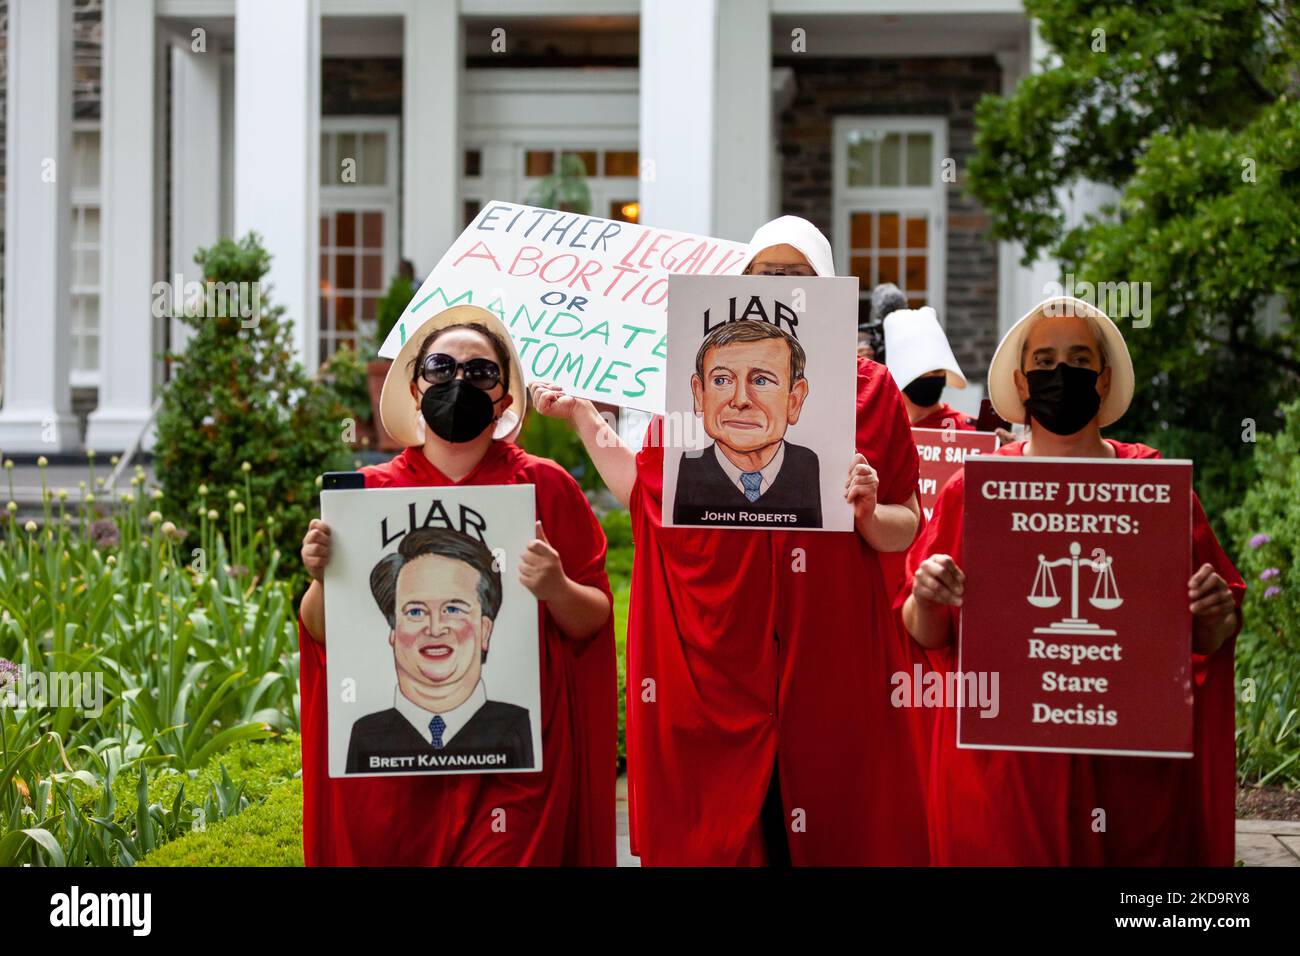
1105,595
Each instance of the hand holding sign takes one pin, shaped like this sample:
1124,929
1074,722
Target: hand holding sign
316,549
861,488
552,401
539,567
1214,612
938,580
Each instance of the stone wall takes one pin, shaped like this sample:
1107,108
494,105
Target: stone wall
930,86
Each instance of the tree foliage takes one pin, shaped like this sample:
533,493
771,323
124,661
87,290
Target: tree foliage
237,394
1188,110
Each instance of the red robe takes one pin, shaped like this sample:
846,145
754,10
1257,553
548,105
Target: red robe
563,815
893,567
745,647
894,563
1007,808
945,413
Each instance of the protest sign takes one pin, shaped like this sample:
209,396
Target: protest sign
432,656
1076,602
585,298
942,451
762,377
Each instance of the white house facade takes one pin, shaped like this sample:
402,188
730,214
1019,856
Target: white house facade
355,134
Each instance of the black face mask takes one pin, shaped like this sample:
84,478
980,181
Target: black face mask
925,391
1062,399
456,411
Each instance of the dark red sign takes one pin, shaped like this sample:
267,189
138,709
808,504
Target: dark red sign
943,451
1075,611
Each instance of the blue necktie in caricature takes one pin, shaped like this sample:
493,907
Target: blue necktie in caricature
436,727
751,480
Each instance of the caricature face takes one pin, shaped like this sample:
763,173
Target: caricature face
440,633
746,398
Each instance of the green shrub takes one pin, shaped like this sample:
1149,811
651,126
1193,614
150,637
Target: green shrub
622,595
269,834
556,439
181,665
1266,529
256,766
390,308
345,373
237,395
618,556
564,189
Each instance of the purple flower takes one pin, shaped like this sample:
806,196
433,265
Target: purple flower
1269,574
104,534
9,674
1259,540
1272,592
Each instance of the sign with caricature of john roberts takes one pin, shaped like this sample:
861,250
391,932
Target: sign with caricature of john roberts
432,649
759,431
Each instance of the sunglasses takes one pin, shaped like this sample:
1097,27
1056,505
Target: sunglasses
438,368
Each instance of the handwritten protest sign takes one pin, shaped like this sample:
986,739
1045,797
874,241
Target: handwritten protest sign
433,657
1076,602
942,452
585,298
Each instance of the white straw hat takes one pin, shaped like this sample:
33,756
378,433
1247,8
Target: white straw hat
398,409
798,232
915,344
1006,360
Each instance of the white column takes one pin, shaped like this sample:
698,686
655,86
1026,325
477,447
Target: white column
1013,279
126,348
1023,287
277,152
36,412
196,165
679,77
432,72
706,115
743,132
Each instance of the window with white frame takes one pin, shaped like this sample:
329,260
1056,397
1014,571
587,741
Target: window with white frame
890,206
358,226
84,263
610,172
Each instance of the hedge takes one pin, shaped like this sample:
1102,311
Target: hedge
259,766
268,834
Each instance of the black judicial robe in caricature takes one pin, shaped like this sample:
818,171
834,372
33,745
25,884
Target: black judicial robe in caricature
496,728
702,486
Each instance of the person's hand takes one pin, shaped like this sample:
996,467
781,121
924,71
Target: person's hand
861,487
1211,598
316,549
540,569
1005,436
552,401
938,581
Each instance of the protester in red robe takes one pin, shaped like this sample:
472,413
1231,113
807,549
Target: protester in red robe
759,728
922,364
1065,367
458,417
